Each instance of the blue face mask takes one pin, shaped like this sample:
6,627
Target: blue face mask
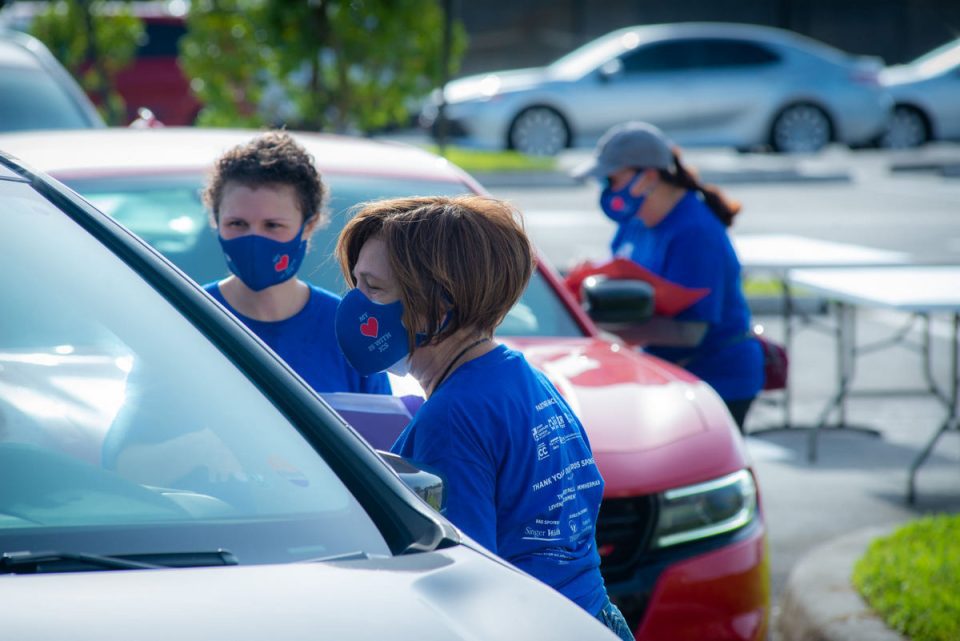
620,205
262,262
371,335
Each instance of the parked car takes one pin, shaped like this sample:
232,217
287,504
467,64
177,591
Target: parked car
681,531
702,83
926,93
36,92
154,80
306,534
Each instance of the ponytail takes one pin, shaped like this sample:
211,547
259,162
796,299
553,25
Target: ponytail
723,207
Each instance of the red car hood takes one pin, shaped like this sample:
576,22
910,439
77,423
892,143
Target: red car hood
652,426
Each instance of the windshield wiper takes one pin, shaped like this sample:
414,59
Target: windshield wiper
35,562
356,555
28,562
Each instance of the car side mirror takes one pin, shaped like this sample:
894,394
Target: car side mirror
617,301
427,485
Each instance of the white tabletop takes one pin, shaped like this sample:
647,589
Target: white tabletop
911,288
782,252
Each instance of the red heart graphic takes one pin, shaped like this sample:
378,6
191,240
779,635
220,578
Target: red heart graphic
617,203
369,328
282,263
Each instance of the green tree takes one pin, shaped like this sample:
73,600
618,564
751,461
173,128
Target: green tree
94,44
228,58
320,64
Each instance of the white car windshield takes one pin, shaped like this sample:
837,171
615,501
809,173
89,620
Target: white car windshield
123,429
941,59
585,59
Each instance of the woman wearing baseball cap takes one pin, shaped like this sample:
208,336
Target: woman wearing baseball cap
673,225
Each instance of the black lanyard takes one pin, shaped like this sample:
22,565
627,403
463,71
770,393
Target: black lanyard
456,358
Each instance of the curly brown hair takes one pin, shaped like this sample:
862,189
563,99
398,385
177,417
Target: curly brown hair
468,253
272,158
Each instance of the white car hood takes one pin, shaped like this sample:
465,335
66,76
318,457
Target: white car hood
484,86
444,595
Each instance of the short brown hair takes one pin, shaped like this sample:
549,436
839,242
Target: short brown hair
468,253
272,158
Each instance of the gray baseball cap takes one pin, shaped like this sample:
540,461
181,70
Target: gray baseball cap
631,144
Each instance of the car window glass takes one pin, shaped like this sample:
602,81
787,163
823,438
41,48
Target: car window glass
169,214
719,53
591,55
124,430
160,39
31,99
660,56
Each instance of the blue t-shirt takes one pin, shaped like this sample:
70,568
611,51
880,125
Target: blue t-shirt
518,470
690,246
308,343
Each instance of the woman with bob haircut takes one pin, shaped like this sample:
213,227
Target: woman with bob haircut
432,279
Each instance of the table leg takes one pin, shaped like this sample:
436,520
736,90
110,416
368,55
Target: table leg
787,342
952,421
786,312
845,337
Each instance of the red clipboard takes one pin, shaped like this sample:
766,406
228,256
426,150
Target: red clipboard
669,298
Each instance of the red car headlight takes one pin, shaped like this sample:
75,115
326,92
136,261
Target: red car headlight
706,509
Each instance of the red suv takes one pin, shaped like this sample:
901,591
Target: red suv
154,80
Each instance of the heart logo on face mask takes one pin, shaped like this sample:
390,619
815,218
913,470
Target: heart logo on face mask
369,328
282,264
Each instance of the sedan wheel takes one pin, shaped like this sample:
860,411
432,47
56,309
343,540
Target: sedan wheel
907,129
800,128
539,131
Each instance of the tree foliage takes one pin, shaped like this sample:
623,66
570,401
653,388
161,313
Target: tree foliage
319,64
94,40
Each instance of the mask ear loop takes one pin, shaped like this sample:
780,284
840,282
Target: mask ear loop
421,337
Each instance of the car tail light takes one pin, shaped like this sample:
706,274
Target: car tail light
869,77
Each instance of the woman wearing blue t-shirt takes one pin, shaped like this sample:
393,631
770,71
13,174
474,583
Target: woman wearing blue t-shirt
433,277
266,198
676,227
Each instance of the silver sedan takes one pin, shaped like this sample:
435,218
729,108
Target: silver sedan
704,84
927,96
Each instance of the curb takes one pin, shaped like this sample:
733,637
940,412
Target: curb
946,169
820,604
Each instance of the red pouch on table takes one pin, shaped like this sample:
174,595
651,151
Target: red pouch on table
669,298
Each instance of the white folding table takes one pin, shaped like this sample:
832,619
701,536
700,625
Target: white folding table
915,289
777,254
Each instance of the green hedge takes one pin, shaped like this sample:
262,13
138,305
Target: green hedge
912,578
